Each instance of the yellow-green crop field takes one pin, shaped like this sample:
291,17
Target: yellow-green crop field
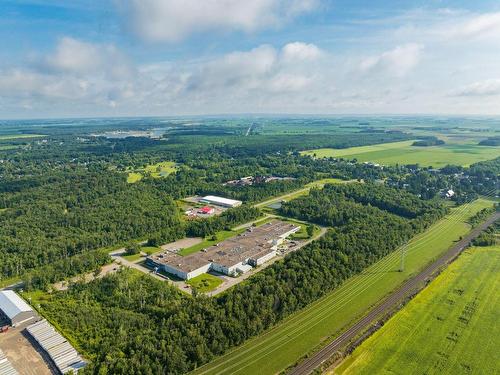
404,153
19,136
283,345
451,327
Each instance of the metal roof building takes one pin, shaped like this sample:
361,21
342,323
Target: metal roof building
62,353
220,201
5,366
15,308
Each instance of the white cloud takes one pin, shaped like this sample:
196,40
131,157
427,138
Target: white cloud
485,25
398,61
300,51
174,20
489,87
73,56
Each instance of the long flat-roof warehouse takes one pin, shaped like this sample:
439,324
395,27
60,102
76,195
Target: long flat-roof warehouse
230,257
220,201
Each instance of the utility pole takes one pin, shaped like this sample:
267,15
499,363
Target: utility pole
403,253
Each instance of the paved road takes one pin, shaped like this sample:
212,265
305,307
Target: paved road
409,287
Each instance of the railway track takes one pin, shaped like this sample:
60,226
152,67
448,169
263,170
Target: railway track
409,287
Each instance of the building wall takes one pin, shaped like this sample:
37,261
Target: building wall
265,258
174,271
199,271
23,317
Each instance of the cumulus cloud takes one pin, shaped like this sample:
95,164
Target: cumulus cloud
398,61
300,51
78,57
174,20
79,71
75,70
489,87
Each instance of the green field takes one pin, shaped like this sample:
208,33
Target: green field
304,191
449,328
19,136
304,331
157,170
204,282
404,153
145,249
133,177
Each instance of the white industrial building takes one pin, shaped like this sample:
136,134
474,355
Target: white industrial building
231,257
15,309
220,201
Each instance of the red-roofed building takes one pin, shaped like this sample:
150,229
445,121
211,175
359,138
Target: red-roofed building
206,210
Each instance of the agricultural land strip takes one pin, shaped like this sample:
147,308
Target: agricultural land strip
391,302
404,153
286,343
435,331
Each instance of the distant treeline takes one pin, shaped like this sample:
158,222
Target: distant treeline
428,141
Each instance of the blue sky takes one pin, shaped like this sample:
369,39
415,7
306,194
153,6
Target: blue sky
170,57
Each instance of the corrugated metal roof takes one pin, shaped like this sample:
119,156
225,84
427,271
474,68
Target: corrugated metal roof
5,366
64,356
11,304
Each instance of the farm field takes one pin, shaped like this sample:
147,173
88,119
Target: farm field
404,153
436,330
304,331
19,136
158,170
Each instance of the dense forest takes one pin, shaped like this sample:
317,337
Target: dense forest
127,323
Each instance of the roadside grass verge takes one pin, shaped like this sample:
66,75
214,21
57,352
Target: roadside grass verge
304,331
449,327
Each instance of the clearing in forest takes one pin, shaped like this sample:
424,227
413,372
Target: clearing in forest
284,345
450,327
158,170
404,153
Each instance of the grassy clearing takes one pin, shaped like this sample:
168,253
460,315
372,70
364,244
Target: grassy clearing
133,177
451,327
205,282
283,345
150,249
9,281
132,257
145,249
212,240
304,191
8,147
158,170
404,153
